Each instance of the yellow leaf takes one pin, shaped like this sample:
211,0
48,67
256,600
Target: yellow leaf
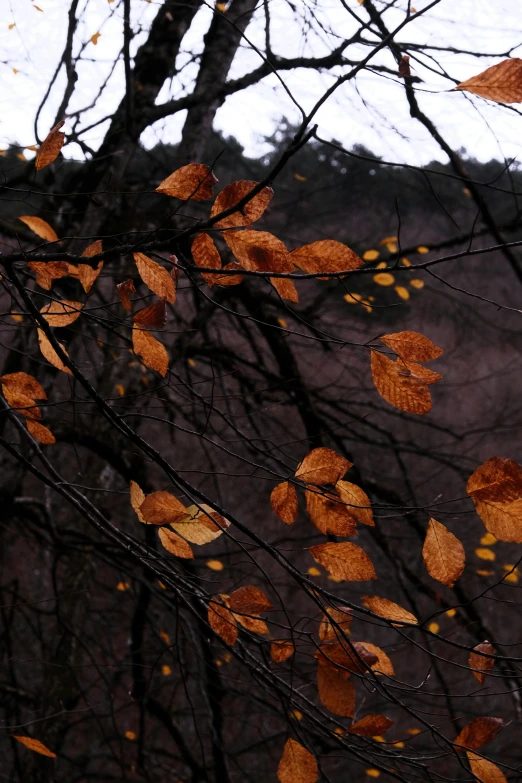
370,255
384,278
387,240
35,745
313,571
451,613
488,539
403,292
215,565
422,249
120,389
405,262
37,8
434,627
372,773
164,637
415,283
485,554
166,670
10,27
300,178
94,38
40,227
130,735
122,586
484,572
282,323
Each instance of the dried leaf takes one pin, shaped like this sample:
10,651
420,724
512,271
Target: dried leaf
21,403
404,67
336,692
503,520
61,313
412,346
40,227
153,353
346,657
23,383
383,665
281,650
284,502
175,544
357,502
194,181
205,253
344,560
227,280
125,289
137,496
231,195
162,508
371,725
322,466
47,271
497,480
249,600
35,745
443,554
297,764
285,288
501,83
388,609
329,514
40,432
50,354
485,771
480,664
421,372
327,255
222,621
155,315
156,277
398,386
478,732
51,146
341,617
86,273
201,525
259,251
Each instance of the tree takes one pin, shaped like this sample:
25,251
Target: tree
198,421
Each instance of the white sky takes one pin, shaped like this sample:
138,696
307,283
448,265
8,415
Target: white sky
371,110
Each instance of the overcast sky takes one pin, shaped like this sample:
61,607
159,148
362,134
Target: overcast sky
371,110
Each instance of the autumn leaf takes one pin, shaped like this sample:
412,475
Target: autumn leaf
485,771
478,732
345,561
35,745
284,502
228,280
322,466
86,273
231,195
249,600
47,271
357,502
155,315
383,664
285,288
50,354
61,313
124,290
443,554
206,254
281,650
334,623
162,508
259,251
399,386
23,383
155,277
137,496
40,432
40,227
201,524
326,255
194,181
51,146
329,514
153,353
479,663
336,691
501,83
175,544
389,610
412,346
371,725
497,480
503,520
346,656
222,621
297,764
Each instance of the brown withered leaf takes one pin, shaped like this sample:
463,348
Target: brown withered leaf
503,520
153,353
175,544
21,403
61,313
125,289
501,83
88,275
35,745
322,466
50,147
404,69
222,621
357,502
479,663
227,280
137,496
281,650
155,277
398,386
420,371
40,432
194,181
40,227
47,271
24,383
388,609
412,346
284,502
347,657
498,480
155,315
344,561
478,732
162,508
201,525
341,617
336,691
485,771
297,764
371,725
259,251
443,554
231,195
285,288
50,354
326,255
249,600
206,254
383,664
329,515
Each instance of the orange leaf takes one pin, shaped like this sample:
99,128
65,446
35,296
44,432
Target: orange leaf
346,657
175,544
285,288
205,253
329,514
124,290
47,271
154,315
153,353
35,745
383,664
61,313
21,403
479,663
485,771
50,148
281,650
399,386
40,227
137,496
162,508
336,692
297,764
222,621
503,520
24,383
322,466
156,277
478,732
388,609
342,619
327,255
41,433
86,273
50,354
371,725
249,600
498,480
501,83
344,560
357,502
226,280
259,251
232,194
443,554
412,346
284,502
194,181
201,525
